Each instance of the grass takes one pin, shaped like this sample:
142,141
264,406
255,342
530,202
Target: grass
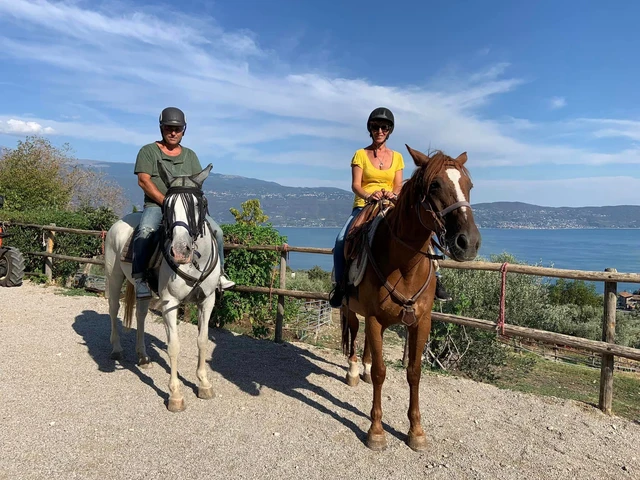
76,292
574,382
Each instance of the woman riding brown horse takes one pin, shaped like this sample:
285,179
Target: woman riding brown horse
399,282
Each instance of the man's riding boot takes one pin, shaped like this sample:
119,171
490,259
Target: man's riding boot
225,282
441,293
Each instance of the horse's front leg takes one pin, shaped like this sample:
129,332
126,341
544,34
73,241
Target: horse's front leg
142,307
376,439
418,335
170,315
205,389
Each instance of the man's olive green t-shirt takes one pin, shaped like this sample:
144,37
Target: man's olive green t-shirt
186,163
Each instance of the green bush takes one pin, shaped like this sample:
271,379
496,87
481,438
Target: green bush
257,268
30,239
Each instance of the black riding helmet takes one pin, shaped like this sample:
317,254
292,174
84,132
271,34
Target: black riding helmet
381,113
173,116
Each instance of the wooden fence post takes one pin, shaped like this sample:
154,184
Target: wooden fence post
608,335
48,261
283,282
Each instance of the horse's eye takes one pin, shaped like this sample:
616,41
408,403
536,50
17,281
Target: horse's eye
434,186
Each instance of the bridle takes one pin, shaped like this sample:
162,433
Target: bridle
439,229
195,226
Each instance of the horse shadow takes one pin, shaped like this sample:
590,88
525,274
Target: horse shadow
95,330
253,364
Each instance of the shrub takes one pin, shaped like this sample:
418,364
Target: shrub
29,239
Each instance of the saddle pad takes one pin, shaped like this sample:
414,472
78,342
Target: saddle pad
127,253
359,265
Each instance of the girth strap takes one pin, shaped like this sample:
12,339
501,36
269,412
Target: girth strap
408,311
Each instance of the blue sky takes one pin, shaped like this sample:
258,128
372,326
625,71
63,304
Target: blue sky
542,95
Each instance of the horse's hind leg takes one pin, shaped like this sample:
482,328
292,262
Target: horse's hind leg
205,389
114,284
366,361
350,327
142,307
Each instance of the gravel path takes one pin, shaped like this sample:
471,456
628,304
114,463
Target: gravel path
280,411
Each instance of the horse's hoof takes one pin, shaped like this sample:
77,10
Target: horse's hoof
366,378
116,355
206,393
145,363
377,442
417,443
352,381
176,405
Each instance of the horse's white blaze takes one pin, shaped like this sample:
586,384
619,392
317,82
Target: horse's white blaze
454,176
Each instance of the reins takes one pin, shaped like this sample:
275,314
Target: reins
408,316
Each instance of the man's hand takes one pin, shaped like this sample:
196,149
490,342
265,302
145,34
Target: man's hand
144,181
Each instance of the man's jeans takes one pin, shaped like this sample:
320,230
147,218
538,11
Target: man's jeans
142,241
338,251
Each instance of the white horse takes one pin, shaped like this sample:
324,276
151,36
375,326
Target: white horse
189,272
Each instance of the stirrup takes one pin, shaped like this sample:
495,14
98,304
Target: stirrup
142,289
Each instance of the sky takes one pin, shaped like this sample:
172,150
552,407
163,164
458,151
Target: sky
543,96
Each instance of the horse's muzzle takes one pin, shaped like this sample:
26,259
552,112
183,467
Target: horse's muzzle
464,247
181,253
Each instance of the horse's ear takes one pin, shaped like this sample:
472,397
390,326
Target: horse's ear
165,175
199,178
419,158
462,158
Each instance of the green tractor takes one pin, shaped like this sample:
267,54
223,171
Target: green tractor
11,260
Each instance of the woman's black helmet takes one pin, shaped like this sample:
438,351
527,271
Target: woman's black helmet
173,116
381,113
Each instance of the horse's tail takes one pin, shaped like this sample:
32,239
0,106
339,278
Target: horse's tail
344,317
129,301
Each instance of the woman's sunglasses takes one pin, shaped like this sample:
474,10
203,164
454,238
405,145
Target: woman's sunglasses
374,127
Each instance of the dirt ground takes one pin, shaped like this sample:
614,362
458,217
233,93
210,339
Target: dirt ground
280,411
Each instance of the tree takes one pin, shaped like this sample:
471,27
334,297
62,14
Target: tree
251,213
37,175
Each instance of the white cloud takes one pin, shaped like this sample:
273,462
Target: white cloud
12,126
557,102
239,96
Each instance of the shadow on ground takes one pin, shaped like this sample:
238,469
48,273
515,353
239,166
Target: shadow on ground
253,364
95,330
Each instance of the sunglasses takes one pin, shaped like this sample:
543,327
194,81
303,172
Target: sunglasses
374,127
172,128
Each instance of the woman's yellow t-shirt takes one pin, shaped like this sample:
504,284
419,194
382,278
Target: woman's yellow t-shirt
373,178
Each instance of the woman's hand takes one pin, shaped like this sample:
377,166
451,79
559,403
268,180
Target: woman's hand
375,196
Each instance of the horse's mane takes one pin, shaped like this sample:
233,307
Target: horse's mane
418,185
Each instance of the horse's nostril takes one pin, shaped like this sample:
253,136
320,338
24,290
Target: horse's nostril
461,242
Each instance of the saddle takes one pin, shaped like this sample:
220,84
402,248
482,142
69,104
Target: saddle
361,231
154,260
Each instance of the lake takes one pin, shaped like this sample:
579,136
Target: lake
577,249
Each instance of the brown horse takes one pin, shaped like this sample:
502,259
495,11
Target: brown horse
399,285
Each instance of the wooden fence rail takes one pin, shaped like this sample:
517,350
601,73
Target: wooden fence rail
606,348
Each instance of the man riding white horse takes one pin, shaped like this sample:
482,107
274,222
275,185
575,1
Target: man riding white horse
178,160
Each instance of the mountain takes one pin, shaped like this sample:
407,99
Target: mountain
329,207
285,206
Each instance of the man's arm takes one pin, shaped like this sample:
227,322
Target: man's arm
144,181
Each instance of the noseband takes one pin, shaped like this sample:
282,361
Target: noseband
440,229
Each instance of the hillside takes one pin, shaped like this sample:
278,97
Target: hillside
329,207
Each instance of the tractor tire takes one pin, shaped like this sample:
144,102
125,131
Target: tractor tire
11,267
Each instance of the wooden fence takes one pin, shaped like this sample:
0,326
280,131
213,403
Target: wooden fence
606,347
